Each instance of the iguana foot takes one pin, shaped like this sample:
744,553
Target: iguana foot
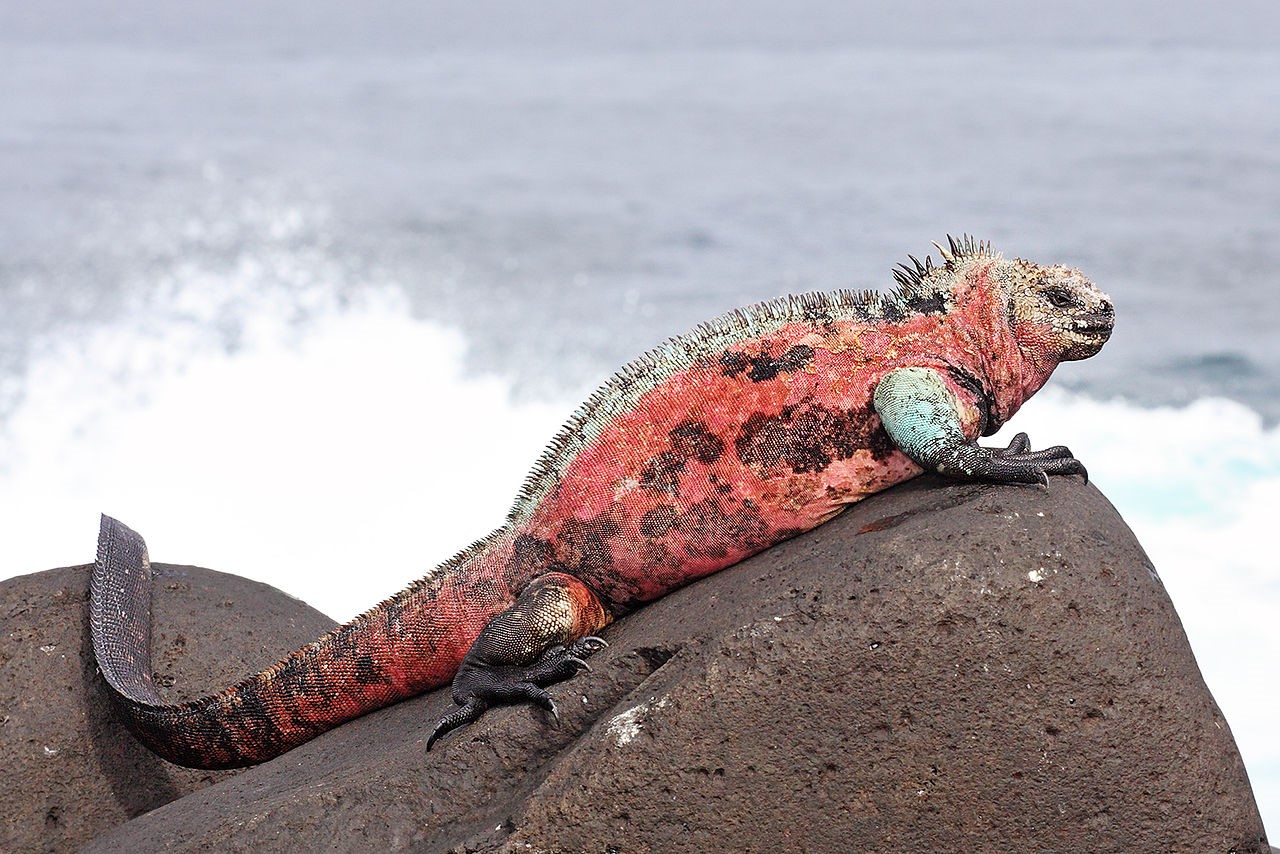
523,649
1017,463
479,686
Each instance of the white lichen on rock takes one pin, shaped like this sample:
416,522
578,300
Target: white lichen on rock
624,727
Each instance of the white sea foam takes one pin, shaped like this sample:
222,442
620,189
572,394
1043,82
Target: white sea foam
340,458
337,462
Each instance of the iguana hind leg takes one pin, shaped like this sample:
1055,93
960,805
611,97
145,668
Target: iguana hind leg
541,639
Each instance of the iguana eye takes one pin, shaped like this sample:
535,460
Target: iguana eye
1059,298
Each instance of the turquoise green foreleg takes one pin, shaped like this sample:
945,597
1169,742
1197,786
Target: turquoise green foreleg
919,412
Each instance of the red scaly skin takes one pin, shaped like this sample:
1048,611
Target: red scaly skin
715,446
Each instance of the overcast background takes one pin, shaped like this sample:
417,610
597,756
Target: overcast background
300,289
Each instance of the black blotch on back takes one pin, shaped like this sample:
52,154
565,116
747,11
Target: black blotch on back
711,529
692,440
732,364
923,302
765,366
530,557
892,311
658,521
662,472
584,547
809,437
367,672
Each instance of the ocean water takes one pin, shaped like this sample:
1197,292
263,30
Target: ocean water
303,296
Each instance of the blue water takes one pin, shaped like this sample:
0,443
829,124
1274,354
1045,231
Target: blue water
272,274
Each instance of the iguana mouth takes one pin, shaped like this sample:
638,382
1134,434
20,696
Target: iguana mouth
1095,326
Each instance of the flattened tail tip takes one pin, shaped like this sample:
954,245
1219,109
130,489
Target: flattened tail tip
111,529
108,523
120,612
120,548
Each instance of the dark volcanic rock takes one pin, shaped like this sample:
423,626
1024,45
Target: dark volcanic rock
70,770
945,667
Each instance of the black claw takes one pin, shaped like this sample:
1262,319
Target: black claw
474,708
539,698
559,663
1065,466
1019,444
587,645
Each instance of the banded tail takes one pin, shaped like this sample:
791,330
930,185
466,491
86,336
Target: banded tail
400,648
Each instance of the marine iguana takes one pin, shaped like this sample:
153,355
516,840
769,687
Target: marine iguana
715,445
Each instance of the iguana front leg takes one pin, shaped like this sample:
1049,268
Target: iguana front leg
540,640
921,414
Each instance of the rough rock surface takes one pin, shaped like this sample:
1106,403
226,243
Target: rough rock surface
71,771
945,667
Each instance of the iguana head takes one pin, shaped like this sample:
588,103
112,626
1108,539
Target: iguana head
1055,312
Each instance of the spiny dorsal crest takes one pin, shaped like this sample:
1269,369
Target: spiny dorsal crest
914,276
965,249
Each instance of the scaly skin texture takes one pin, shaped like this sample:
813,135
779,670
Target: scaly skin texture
744,432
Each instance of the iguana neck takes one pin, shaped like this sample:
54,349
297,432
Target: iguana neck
1011,372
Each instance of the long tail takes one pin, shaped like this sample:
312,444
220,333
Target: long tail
402,647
